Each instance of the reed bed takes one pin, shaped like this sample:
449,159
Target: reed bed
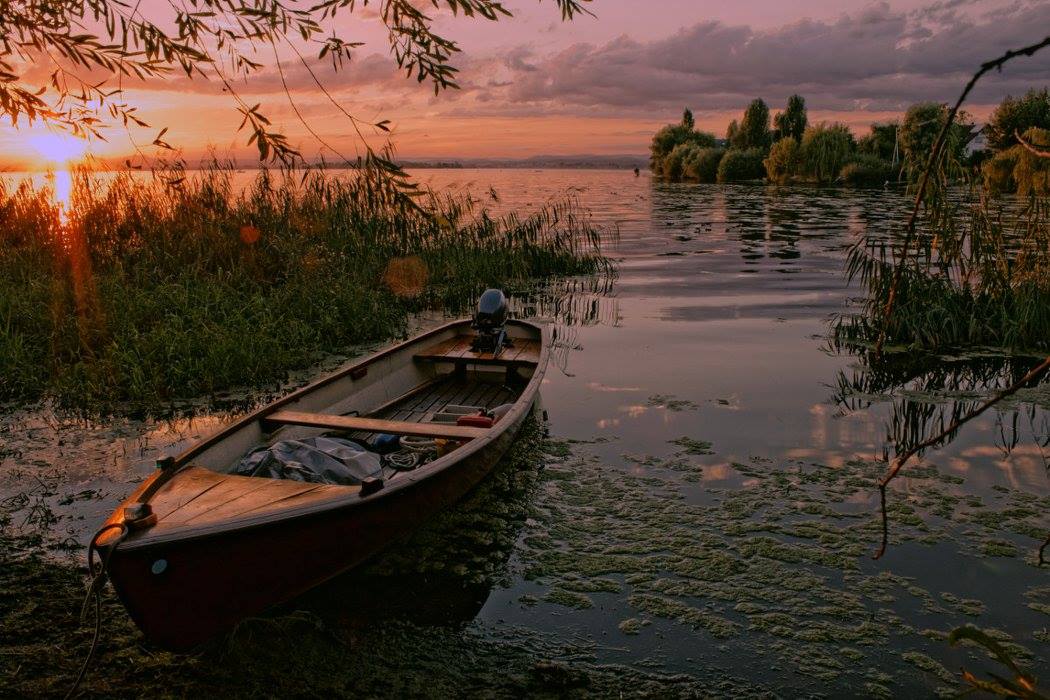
977,275
144,291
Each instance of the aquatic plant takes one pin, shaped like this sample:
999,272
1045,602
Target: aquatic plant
149,292
976,273
737,165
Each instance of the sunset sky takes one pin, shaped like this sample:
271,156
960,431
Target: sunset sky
534,85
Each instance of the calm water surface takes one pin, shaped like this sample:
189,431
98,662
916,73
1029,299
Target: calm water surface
706,513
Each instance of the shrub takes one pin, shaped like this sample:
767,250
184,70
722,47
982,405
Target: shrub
867,171
782,161
703,165
998,171
825,149
671,166
737,165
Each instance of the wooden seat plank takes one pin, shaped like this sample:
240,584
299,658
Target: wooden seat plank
374,425
523,352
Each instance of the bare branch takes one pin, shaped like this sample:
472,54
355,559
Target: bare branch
899,462
1029,147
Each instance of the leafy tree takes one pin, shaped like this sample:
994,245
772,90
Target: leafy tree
739,165
1018,115
668,140
998,171
881,142
825,149
920,128
731,132
792,121
782,161
754,128
687,120
1032,172
703,165
94,49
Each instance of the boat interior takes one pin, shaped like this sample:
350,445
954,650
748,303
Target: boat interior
418,391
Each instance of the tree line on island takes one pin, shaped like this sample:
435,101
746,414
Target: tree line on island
788,149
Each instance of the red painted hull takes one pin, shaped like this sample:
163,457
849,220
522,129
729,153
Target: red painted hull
212,582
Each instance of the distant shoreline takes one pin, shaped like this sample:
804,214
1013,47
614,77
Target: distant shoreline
572,162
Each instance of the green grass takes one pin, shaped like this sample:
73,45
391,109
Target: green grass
151,292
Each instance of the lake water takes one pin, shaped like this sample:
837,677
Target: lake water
704,518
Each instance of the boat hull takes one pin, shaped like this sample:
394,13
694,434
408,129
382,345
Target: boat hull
183,592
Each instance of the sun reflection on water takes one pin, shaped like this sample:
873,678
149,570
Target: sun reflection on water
62,185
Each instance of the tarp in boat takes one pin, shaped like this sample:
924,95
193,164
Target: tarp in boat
318,460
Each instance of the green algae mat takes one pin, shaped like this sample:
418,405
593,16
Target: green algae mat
578,570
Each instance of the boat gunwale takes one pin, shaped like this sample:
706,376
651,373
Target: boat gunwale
352,496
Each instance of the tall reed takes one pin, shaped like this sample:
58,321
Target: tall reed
977,273
144,291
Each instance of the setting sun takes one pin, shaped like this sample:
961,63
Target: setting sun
54,148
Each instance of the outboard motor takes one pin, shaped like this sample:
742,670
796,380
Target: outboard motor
489,322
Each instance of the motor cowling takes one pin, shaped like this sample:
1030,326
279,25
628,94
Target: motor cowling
492,311
489,320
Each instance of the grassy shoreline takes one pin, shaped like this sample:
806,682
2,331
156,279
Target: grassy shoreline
148,292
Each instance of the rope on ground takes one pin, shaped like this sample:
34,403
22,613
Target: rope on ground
899,461
97,571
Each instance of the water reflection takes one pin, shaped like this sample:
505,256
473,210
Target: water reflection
682,343
61,182
926,395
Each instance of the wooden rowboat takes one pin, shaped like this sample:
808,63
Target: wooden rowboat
195,549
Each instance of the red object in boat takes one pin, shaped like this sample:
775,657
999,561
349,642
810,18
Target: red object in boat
475,421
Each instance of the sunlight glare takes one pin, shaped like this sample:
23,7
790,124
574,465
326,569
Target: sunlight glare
58,149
